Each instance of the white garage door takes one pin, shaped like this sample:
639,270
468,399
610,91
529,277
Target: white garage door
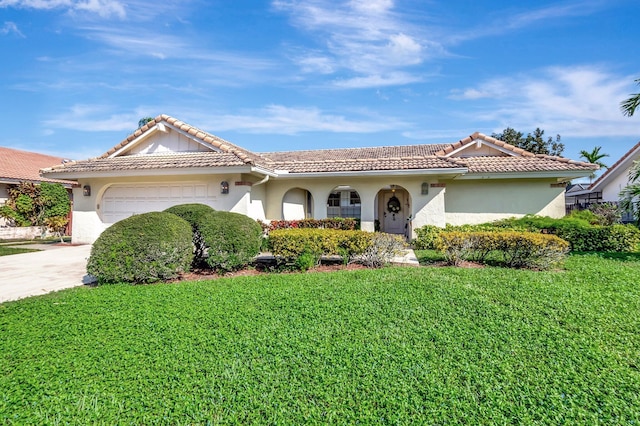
122,201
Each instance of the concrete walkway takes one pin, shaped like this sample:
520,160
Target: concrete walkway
407,259
54,268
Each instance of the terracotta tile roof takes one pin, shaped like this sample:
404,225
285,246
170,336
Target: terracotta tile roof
371,164
405,157
491,164
154,162
403,151
477,135
17,166
206,138
615,165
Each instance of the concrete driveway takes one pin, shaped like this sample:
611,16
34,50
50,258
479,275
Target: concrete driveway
54,268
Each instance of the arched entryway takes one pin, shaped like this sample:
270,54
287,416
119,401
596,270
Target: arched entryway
344,201
394,210
297,204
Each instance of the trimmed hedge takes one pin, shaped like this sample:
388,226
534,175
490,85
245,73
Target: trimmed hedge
581,235
143,248
345,224
194,214
232,240
514,249
292,243
576,229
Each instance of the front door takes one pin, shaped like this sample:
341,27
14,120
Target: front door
394,212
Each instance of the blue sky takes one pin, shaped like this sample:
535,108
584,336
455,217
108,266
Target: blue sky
76,75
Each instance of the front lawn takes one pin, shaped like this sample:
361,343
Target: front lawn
6,251
393,346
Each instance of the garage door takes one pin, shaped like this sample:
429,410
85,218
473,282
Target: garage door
122,201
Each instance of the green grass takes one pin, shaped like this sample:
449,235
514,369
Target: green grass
393,346
6,251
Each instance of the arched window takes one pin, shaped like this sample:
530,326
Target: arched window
343,201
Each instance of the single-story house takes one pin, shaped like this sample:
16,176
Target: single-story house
394,189
18,166
606,189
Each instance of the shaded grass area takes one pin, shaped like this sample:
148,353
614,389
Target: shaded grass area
391,346
6,251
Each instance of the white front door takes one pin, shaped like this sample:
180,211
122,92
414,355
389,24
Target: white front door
394,210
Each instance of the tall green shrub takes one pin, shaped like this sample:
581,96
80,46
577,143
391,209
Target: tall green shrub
232,240
194,214
141,249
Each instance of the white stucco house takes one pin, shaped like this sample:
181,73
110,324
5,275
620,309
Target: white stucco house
606,189
394,188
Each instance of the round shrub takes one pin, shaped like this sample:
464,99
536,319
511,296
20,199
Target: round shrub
141,249
232,240
194,213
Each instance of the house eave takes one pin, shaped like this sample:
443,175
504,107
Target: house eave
561,176
159,172
283,174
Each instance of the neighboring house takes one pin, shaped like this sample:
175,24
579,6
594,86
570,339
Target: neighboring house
395,188
22,166
606,189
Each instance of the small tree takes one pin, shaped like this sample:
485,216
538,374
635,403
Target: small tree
594,157
629,106
143,121
534,142
29,204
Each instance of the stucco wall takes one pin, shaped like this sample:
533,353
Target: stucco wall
612,190
424,209
88,220
471,202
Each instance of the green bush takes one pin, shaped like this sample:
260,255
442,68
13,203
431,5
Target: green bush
513,249
426,237
578,230
194,214
289,244
232,240
141,249
341,223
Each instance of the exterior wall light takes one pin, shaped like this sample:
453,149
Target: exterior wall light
224,187
424,188
86,190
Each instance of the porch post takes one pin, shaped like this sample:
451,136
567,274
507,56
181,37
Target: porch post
367,210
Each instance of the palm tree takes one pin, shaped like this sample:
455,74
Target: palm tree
630,195
594,157
629,106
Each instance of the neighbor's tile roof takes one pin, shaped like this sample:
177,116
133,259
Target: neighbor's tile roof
18,166
406,157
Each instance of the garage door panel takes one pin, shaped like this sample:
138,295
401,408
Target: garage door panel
122,201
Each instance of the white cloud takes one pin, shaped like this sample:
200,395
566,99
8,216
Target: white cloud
279,119
392,79
572,101
509,22
96,118
10,27
102,8
272,119
365,37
